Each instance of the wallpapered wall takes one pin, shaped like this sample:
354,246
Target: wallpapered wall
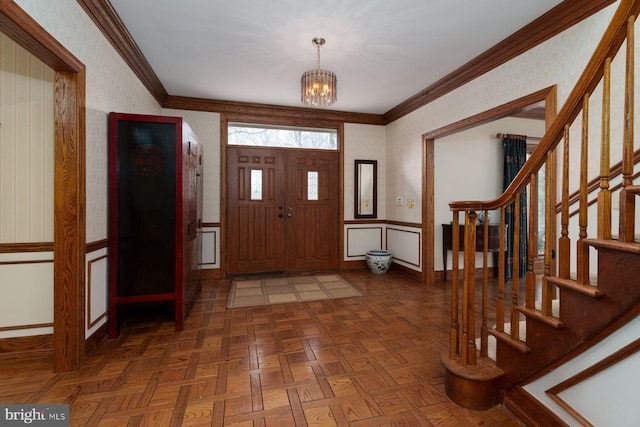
557,61
110,86
27,278
363,142
207,128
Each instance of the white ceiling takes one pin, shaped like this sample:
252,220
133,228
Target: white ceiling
383,51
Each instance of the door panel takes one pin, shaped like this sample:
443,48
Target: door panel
255,236
312,229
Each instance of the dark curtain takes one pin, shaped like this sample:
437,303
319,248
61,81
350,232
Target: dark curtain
515,154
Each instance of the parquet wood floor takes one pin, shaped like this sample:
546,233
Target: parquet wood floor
367,361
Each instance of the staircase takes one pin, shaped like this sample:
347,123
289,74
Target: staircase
577,300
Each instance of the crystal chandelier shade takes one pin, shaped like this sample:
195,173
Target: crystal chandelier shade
319,88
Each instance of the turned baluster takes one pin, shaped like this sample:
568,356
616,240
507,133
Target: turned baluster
627,205
564,244
582,250
604,195
468,355
515,277
501,272
532,242
455,326
484,331
547,294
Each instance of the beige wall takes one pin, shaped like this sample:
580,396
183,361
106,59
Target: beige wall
559,61
110,86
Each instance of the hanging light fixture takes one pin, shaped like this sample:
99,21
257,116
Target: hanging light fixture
319,87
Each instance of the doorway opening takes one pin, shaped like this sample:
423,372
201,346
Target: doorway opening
546,97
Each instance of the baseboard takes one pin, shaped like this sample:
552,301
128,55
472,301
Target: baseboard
478,274
96,338
406,271
354,265
530,410
210,273
30,344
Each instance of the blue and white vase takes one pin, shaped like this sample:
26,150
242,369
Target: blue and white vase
378,261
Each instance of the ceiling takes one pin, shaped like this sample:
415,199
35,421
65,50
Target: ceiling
255,51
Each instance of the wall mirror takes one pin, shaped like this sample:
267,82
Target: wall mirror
366,190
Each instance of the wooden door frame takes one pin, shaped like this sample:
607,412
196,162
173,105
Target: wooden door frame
548,95
69,182
302,121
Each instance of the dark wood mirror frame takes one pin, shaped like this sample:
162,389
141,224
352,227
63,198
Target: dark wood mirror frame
366,189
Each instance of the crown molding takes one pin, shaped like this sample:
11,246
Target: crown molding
107,20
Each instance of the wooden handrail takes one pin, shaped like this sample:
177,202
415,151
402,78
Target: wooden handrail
610,43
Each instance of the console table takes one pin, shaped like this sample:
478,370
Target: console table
494,243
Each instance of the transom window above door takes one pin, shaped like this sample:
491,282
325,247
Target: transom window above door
281,136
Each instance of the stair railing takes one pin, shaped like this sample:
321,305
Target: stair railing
463,301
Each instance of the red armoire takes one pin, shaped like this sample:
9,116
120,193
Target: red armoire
155,214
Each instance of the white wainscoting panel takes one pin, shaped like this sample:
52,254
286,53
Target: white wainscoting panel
97,290
361,238
210,248
27,294
405,245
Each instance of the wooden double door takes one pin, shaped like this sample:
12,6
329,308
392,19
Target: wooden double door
282,210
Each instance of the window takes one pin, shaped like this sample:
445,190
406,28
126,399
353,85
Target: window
283,137
312,185
256,184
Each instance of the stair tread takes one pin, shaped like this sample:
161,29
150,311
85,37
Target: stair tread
507,339
593,278
590,290
552,320
555,307
636,237
631,247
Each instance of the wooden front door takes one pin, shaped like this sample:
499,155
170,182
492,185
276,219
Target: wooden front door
282,210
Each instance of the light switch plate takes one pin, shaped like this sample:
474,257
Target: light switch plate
399,201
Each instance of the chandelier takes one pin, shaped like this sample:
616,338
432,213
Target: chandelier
319,88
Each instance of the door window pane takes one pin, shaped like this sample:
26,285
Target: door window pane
312,185
256,184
